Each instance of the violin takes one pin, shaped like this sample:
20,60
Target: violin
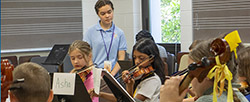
84,72
244,84
6,78
244,89
135,72
139,73
219,47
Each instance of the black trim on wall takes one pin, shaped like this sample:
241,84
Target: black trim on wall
173,48
145,15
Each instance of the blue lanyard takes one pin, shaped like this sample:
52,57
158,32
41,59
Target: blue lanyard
110,42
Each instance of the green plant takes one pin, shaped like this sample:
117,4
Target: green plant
170,21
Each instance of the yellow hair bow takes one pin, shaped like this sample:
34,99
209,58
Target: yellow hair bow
233,39
220,73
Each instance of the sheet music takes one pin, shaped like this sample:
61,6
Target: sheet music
116,83
64,83
97,79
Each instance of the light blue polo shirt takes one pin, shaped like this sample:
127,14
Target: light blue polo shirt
94,38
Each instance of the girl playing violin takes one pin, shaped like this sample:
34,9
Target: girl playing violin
81,57
147,88
203,90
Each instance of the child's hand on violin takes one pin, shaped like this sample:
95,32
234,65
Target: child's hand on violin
92,93
170,90
126,78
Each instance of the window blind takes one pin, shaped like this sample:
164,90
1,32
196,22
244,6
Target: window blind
214,17
33,24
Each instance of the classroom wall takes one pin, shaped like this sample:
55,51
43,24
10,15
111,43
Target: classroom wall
127,16
186,25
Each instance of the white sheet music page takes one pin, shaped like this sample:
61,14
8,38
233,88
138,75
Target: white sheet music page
97,79
64,83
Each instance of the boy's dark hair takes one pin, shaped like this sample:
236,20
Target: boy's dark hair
101,3
143,34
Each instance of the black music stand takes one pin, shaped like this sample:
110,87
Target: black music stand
120,93
125,64
57,55
81,94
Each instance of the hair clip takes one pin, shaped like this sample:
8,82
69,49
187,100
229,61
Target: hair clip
15,82
18,80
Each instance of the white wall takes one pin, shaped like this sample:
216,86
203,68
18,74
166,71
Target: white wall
186,25
155,22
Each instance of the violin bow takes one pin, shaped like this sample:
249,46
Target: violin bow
83,69
150,57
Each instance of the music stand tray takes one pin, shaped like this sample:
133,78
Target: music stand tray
120,93
81,94
57,54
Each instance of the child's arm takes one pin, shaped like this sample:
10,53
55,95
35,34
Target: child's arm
107,96
129,82
121,56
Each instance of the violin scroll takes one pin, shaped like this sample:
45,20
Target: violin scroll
6,78
219,47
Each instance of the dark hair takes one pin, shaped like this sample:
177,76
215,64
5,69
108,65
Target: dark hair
101,3
143,34
147,46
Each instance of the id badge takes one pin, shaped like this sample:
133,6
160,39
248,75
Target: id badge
107,65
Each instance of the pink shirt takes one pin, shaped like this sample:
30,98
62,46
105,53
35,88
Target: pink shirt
89,84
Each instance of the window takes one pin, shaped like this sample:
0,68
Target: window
170,21
164,23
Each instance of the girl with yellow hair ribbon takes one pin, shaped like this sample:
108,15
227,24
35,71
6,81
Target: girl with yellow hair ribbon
206,91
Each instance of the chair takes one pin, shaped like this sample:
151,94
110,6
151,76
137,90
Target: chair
171,63
179,55
12,59
23,59
183,64
40,60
